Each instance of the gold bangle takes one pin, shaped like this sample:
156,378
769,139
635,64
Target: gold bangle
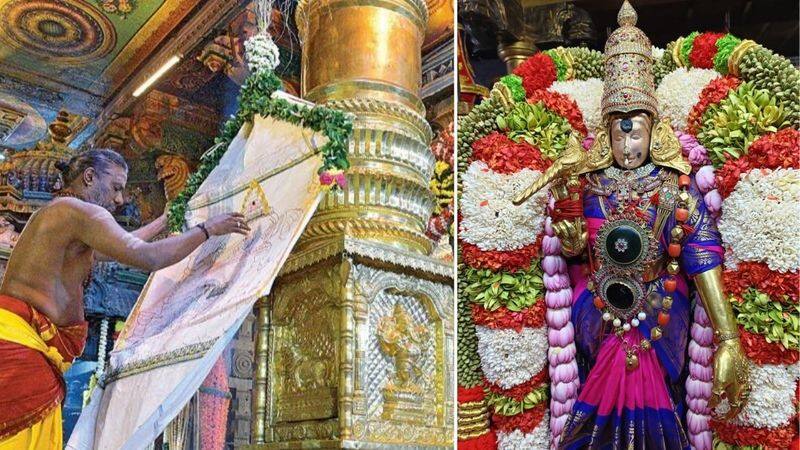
725,336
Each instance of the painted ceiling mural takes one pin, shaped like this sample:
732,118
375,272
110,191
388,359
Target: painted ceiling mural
76,53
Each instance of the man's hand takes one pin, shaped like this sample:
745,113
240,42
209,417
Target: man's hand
731,377
226,224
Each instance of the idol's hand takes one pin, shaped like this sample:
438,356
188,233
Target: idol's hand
731,377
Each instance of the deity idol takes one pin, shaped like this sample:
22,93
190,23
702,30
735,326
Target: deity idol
638,239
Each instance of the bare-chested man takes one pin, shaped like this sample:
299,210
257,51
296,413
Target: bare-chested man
42,327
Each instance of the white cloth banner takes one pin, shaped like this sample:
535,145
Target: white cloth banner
189,312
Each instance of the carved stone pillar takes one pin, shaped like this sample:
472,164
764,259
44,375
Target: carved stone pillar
359,335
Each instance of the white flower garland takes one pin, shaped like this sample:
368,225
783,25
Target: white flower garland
538,439
770,404
489,218
261,52
679,91
509,358
657,52
761,219
587,95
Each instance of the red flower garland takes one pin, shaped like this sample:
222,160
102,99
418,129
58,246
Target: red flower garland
505,156
760,351
770,151
758,275
519,391
499,260
714,92
502,318
704,48
537,72
766,438
562,105
473,394
525,422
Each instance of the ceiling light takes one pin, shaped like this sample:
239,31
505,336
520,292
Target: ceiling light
161,71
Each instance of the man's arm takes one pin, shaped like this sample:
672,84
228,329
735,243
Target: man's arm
152,229
145,233
98,229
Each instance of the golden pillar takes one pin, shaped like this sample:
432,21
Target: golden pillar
361,329
515,53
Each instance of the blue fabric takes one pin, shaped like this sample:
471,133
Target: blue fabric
638,429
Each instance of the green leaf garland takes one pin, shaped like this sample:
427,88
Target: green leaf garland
507,406
516,291
776,320
538,126
255,98
730,126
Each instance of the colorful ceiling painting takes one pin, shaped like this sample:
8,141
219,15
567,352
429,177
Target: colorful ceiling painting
75,54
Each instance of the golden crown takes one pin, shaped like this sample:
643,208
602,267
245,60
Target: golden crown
629,84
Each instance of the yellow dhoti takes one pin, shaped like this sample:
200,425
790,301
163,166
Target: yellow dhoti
44,435
34,354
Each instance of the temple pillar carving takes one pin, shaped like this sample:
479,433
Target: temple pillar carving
356,337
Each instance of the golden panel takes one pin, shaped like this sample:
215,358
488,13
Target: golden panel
305,333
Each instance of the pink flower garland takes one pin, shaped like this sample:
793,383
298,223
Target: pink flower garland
697,154
561,355
699,382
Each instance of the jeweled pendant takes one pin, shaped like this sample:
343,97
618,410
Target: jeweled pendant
631,361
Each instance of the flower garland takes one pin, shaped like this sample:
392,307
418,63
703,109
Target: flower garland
730,126
562,106
514,84
771,403
761,219
506,261
520,391
507,406
775,319
504,318
490,219
587,95
693,150
467,360
537,438
703,50
563,367
766,70
478,123
510,358
770,151
537,72
515,292
523,423
442,185
760,351
505,156
262,54
733,437
758,276
538,126
679,91
255,98
713,93
700,380
725,47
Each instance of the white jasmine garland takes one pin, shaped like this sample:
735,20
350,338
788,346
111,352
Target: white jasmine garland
509,358
761,219
489,218
657,52
679,91
261,52
538,439
587,95
771,399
